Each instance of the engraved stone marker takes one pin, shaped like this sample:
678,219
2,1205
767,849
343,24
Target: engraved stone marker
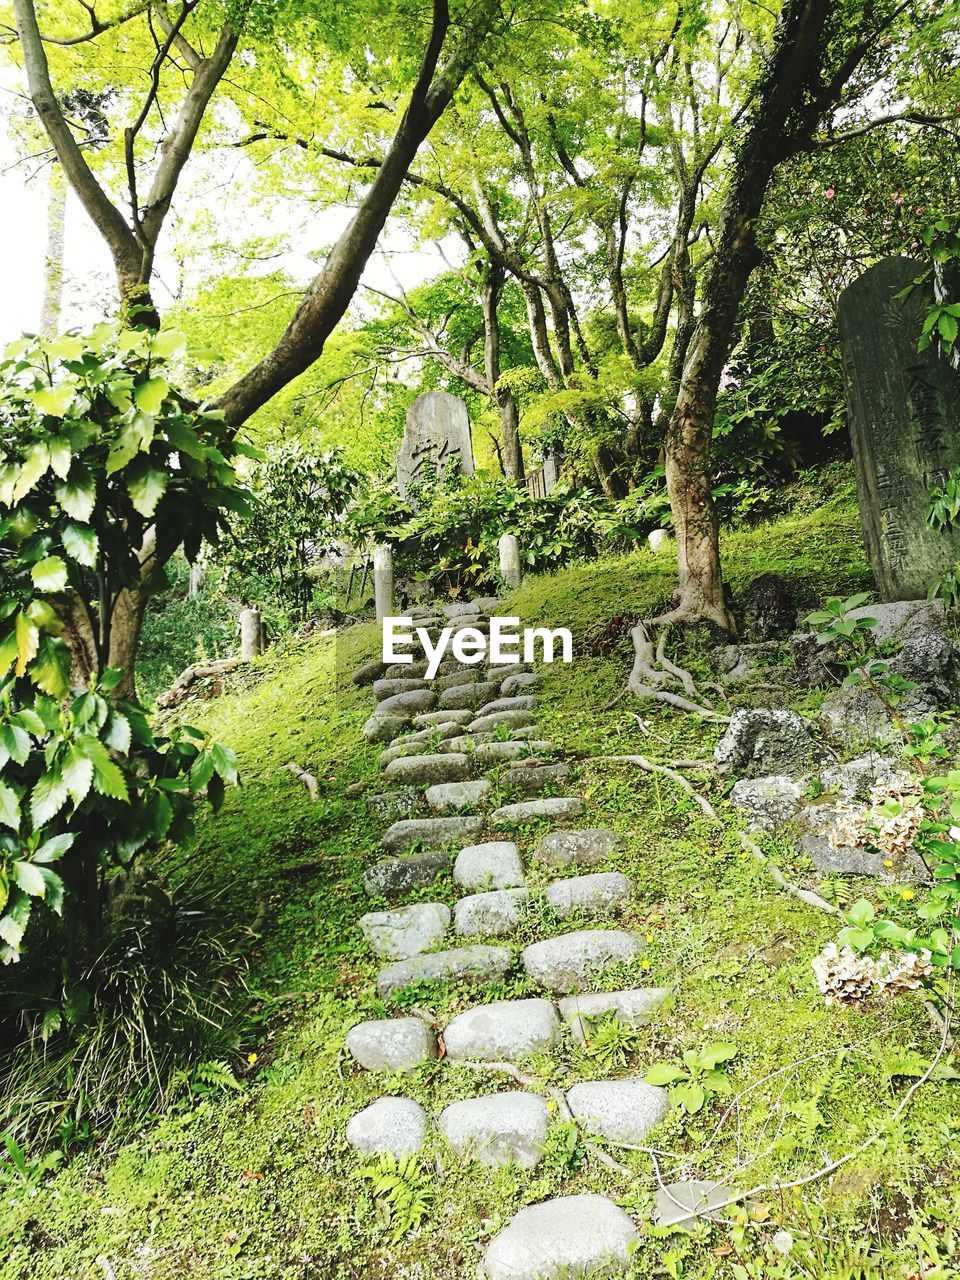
437,430
904,412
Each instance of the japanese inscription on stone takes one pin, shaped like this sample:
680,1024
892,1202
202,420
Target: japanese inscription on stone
904,412
437,432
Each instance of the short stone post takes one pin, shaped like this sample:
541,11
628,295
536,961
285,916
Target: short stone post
251,635
509,547
383,581
658,539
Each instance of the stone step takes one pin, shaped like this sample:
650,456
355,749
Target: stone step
405,931
494,753
446,716
457,679
522,702
389,1126
584,848
567,963
476,963
532,780
570,1236
518,681
502,1128
388,806
493,915
465,608
431,833
405,671
392,1044
602,891
413,744
468,694
407,704
383,689
464,741
504,1031
632,1008
482,724
618,1110
494,865
553,808
412,771
368,672
384,728
394,877
457,797
501,671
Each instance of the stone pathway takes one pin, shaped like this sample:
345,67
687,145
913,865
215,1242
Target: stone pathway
441,739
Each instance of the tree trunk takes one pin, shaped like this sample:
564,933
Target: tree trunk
510,431
125,625
53,259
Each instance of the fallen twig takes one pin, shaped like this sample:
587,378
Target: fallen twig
804,895
308,780
651,766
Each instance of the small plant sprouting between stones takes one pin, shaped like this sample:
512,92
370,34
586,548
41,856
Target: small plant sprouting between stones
402,1192
700,1077
610,1041
563,1149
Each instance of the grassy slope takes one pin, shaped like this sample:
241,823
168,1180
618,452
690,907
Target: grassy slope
260,1184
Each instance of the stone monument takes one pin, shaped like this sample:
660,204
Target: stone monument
437,430
904,411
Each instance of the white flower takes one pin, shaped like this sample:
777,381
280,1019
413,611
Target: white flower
782,1242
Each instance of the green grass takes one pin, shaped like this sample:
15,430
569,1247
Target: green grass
260,1185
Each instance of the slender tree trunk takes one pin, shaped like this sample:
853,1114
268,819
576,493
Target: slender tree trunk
510,432
53,259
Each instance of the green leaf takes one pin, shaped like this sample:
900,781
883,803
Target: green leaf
65,347
690,1096
720,1051
82,544
9,807
202,771
8,651
77,774
34,465
168,343
224,762
948,327
53,890
861,913
28,641
60,457
13,924
54,400
49,797
124,449
49,575
78,496
664,1073
117,733
108,778
146,485
149,395
50,670
14,744
53,849
29,878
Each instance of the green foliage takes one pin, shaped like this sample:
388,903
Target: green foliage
403,1190
699,1077
610,1041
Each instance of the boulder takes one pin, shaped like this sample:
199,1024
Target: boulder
632,1007
585,848
383,689
407,704
518,702
503,1031
603,891
618,1110
394,877
767,802
562,1238
384,728
854,780
768,608
369,672
424,770
392,1044
553,808
518,681
477,963
468,694
389,1126
457,797
764,740
569,962
405,931
502,1128
431,833
492,915
494,865
820,839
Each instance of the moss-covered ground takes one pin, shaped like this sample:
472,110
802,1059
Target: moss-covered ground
257,1183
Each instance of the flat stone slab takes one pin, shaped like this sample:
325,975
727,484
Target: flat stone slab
585,848
503,1128
495,865
554,808
567,963
473,694
518,702
388,806
533,780
679,1204
412,744
405,931
392,1044
461,963
459,797
494,753
407,704
513,720
502,1031
389,1126
602,891
456,680
393,877
446,716
432,833
492,915
413,771
618,1110
632,1008
383,689
384,728
570,1236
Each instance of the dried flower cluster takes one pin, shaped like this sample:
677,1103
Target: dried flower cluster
891,821
846,978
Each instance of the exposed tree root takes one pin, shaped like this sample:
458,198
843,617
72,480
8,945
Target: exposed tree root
804,895
308,780
651,766
186,679
652,671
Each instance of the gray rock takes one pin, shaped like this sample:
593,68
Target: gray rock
383,728
462,609
468,694
423,770
632,1007
904,619
563,1238
602,891
389,1126
503,1128
494,865
520,702
853,780
568,963
405,671
456,680
512,719
767,802
518,681
500,671
660,540
680,1204
585,848
407,704
392,1044
447,716
383,689
768,608
393,877
854,717
763,740
492,915
553,808
818,839
458,797
405,931
737,663
369,672
465,743
503,1031
461,963
494,753
388,806
424,741
618,1110
431,833
533,780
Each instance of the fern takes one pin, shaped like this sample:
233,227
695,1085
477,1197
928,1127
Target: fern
403,1188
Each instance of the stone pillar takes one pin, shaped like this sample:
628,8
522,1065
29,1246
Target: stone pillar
383,581
509,547
251,635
